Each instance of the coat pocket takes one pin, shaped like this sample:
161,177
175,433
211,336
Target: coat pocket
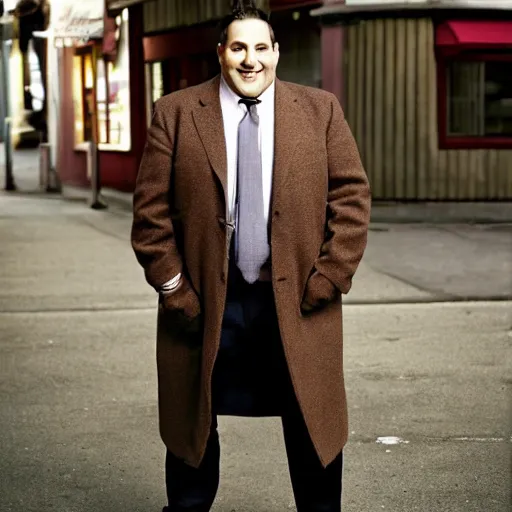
319,292
181,309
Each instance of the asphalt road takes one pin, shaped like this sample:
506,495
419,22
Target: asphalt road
78,427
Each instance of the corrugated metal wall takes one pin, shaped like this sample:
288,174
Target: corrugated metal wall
392,109
168,14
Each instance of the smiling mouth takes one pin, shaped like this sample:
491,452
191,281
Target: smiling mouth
248,75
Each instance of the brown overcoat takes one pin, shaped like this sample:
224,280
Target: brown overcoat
318,223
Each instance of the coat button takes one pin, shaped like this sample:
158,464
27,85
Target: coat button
223,277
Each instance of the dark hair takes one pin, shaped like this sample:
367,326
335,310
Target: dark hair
244,10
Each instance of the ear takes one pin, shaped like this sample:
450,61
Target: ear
276,50
220,51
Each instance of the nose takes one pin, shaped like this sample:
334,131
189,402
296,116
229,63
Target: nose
250,59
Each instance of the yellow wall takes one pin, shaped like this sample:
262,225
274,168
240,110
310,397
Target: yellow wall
16,99
391,106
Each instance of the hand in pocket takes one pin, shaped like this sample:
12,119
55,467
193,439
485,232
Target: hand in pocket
319,292
182,308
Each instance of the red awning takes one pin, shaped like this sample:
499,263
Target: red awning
474,34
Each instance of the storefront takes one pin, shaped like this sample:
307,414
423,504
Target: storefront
428,95
100,94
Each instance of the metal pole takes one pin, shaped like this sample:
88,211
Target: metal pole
9,178
48,151
96,203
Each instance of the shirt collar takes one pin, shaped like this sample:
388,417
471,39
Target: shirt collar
227,94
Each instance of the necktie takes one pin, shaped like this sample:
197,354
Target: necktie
251,232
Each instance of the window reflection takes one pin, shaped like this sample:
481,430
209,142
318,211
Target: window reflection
480,98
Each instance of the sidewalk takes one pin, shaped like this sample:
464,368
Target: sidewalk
425,260
416,252
25,169
403,263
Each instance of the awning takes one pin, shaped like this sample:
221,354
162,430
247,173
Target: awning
347,7
116,5
474,34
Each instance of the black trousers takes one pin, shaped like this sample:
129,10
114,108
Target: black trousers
251,379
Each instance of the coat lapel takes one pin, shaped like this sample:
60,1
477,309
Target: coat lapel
288,121
209,124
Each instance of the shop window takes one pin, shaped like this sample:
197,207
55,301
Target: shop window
157,81
155,85
109,94
476,101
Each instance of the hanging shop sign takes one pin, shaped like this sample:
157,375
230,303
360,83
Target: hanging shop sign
78,20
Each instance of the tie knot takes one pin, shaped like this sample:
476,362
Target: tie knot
249,102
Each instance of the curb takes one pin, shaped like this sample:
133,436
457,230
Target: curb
382,213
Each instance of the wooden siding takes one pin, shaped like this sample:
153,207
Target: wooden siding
391,106
162,15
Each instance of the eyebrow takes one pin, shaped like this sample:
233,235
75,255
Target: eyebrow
245,44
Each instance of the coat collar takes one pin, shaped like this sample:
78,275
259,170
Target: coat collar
288,119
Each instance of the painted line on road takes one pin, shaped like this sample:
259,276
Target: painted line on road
389,440
395,440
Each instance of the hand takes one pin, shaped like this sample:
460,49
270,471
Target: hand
319,292
182,308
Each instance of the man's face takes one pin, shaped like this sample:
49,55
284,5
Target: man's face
248,60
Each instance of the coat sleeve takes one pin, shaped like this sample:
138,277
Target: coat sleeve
152,235
348,205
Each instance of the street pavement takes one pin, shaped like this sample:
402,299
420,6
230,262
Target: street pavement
428,337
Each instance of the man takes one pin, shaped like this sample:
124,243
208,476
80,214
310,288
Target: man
250,217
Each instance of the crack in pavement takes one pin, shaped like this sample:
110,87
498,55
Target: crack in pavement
91,309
